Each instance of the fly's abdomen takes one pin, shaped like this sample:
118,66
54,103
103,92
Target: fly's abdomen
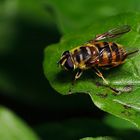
118,52
110,54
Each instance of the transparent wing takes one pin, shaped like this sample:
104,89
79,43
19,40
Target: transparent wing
115,32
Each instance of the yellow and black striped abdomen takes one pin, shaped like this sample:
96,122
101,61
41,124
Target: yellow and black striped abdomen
110,54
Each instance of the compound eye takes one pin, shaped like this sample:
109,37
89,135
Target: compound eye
66,53
69,64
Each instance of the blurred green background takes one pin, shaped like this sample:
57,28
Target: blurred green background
26,28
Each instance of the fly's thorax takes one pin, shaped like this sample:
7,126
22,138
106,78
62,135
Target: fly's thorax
81,55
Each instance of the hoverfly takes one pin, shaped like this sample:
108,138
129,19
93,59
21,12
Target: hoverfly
97,54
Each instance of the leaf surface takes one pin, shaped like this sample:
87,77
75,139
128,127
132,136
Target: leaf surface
13,128
125,78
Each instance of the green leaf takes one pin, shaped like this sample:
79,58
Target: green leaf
116,123
13,128
125,77
74,15
99,138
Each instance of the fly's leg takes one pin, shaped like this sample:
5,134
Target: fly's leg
115,91
100,75
77,76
